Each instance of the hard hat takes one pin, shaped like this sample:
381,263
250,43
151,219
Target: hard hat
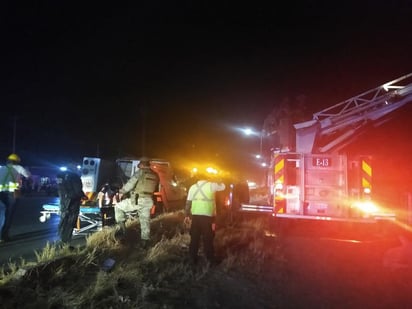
13,158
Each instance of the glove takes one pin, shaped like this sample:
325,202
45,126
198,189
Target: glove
187,222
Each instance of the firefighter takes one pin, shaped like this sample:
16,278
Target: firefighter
71,194
140,187
201,206
11,176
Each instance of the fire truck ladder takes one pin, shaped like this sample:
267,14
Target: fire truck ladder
338,124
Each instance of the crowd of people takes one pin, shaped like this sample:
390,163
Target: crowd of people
135,196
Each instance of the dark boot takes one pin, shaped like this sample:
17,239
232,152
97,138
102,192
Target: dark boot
121,230
5,238
144,243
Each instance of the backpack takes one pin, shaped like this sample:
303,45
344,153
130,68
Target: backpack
148,181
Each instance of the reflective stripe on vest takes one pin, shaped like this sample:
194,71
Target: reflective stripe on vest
203,202
8,185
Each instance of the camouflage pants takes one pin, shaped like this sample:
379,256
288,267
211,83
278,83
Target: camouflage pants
144,204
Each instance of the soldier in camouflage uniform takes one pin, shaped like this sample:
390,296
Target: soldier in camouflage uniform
141,187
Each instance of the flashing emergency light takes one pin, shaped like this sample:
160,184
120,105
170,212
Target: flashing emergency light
279,186
65,168
211,170
251,184
367,190
368,207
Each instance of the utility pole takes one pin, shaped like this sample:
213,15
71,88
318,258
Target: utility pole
143,122
261,142
14,134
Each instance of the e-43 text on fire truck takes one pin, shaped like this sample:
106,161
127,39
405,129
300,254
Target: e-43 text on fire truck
313,176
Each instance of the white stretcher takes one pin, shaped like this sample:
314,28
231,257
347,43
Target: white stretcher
89,217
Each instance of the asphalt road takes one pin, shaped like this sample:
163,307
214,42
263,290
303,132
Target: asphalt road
343,266
28,234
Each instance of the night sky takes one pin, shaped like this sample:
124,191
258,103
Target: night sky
173,79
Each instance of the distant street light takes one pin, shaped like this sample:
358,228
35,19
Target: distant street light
248,131
261,156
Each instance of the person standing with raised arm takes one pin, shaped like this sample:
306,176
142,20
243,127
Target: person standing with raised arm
11,176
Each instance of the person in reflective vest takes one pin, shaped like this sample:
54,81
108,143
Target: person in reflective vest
11,176
201,206
140,187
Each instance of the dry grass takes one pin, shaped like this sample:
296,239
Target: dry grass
159,277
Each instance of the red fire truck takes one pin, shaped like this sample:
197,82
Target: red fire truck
314,176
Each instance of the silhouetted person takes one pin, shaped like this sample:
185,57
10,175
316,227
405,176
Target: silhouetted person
107,197
70,191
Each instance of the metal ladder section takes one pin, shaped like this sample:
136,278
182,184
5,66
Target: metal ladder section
344,119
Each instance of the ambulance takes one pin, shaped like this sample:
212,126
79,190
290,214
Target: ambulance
97,173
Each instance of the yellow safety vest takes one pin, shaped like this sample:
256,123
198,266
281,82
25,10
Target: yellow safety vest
203,200
8,184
